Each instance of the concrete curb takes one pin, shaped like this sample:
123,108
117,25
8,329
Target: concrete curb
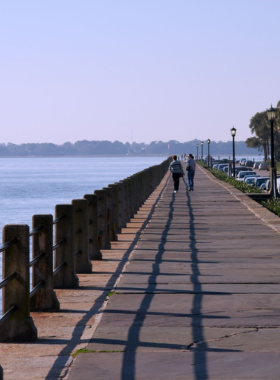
267,216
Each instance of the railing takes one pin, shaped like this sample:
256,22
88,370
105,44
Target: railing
81,230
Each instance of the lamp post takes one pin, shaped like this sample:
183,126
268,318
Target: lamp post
208,142
233,133
271,115
196,152
202,150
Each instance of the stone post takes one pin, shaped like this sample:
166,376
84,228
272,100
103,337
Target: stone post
117,207
19,326
134,192
129,198
103,241
82,261
65,277
145,185
42,244
111,233
122,220
94,251
126,215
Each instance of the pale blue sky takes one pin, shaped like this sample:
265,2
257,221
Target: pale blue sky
136,69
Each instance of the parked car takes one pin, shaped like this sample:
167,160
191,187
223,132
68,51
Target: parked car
249,180
263,166
221,166
242,161
249,163
241,168
256,164
240,176
259,180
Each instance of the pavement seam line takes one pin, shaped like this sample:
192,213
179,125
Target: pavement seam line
88,333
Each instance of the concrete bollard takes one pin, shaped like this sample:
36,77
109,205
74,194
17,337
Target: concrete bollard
82,261
94,251
64,260
132,180
129,198
126,215
116,208
153,177
103,241
19,326
42,244
139,189
145,185
111,233
122,221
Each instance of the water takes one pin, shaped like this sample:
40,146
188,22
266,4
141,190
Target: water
31,186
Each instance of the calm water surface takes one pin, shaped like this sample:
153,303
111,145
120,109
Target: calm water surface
31,186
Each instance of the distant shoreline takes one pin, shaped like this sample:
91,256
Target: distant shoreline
96,155
222,155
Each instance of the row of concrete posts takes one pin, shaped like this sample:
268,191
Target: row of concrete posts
62,247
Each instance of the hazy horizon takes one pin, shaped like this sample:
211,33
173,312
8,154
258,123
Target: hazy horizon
126,142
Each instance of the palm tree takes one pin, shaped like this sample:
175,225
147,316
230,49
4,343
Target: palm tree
259,125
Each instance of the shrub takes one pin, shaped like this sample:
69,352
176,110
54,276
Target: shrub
272,205
240,185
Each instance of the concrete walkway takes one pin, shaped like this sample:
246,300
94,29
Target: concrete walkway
200,296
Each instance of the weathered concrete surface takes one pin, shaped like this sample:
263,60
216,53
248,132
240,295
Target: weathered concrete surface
62,333
200,297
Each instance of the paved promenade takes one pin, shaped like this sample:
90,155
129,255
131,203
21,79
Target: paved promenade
197,296
200,295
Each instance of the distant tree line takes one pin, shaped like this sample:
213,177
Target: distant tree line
260,126
105,148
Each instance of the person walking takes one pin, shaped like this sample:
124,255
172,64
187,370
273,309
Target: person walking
177,171
190,166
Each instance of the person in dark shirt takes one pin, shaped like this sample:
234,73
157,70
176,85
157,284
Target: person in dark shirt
190,165
176,169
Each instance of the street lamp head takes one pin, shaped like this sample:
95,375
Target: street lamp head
271,113
233,131
208,141
201,143
196,144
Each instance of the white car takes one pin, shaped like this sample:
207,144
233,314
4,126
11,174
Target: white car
259,180
240,176
263,166
250,179
242,161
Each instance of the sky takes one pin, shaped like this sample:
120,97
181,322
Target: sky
136,70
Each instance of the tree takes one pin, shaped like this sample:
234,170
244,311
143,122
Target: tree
260,126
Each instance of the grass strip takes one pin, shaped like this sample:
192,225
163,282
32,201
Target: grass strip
240,185
272,205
